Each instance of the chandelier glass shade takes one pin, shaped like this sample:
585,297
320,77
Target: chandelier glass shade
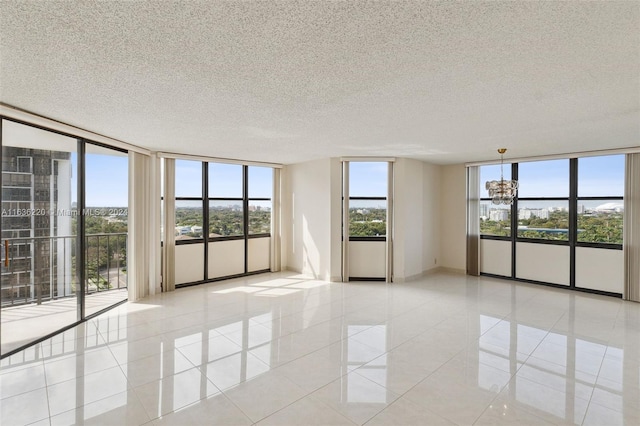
502,191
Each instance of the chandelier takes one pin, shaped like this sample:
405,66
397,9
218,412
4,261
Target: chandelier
502,191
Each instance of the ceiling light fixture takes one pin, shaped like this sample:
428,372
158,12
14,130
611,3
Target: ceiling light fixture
502,191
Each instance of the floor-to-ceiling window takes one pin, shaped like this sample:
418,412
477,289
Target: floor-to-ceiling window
105,220
64,231
222,220
564,228
258,208
189,221
367,219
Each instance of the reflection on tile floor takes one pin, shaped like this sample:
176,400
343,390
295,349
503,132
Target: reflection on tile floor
282,349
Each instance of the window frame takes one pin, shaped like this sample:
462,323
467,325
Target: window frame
206,199
384,198
595,244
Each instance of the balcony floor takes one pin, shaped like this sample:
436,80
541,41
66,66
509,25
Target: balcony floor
24,323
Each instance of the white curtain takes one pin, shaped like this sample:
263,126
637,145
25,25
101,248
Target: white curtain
169,243
473,220
345,221
631,238
154,221
390,204
141,252
275,223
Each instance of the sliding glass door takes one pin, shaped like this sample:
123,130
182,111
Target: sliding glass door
105,224
64,232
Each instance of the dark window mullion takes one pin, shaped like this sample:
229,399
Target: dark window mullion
205,217
514,222
573,219
603,198
245,215
225,199
80,232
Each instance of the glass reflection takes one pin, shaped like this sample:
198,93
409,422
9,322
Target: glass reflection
359,389
317,341
560,376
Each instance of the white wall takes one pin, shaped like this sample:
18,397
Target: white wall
408,219
417,218
431,216
336,219
312,216
307,217
453,212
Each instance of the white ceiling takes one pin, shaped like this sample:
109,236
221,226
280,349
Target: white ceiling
292,81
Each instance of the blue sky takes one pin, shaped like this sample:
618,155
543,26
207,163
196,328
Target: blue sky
597,176
368,179
225,180
106,182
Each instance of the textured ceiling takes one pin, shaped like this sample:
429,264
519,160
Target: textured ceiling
293,81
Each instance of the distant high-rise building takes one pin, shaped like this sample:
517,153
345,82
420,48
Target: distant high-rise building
484,210
524,214
499,215
36,223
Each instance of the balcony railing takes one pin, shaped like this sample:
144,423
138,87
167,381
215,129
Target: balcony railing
40,269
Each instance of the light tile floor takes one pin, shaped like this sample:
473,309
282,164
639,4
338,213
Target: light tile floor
281,349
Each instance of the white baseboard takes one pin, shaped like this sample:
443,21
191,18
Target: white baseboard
436,270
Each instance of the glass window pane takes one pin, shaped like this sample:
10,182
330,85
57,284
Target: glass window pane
225,218
259,217
548,220
188,220
544,179
495,220
39,210
260,182
368,179
492,172
225,180
600,221
367,218
601,176
188,178
106,189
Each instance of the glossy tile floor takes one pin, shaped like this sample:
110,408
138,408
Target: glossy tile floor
280,349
